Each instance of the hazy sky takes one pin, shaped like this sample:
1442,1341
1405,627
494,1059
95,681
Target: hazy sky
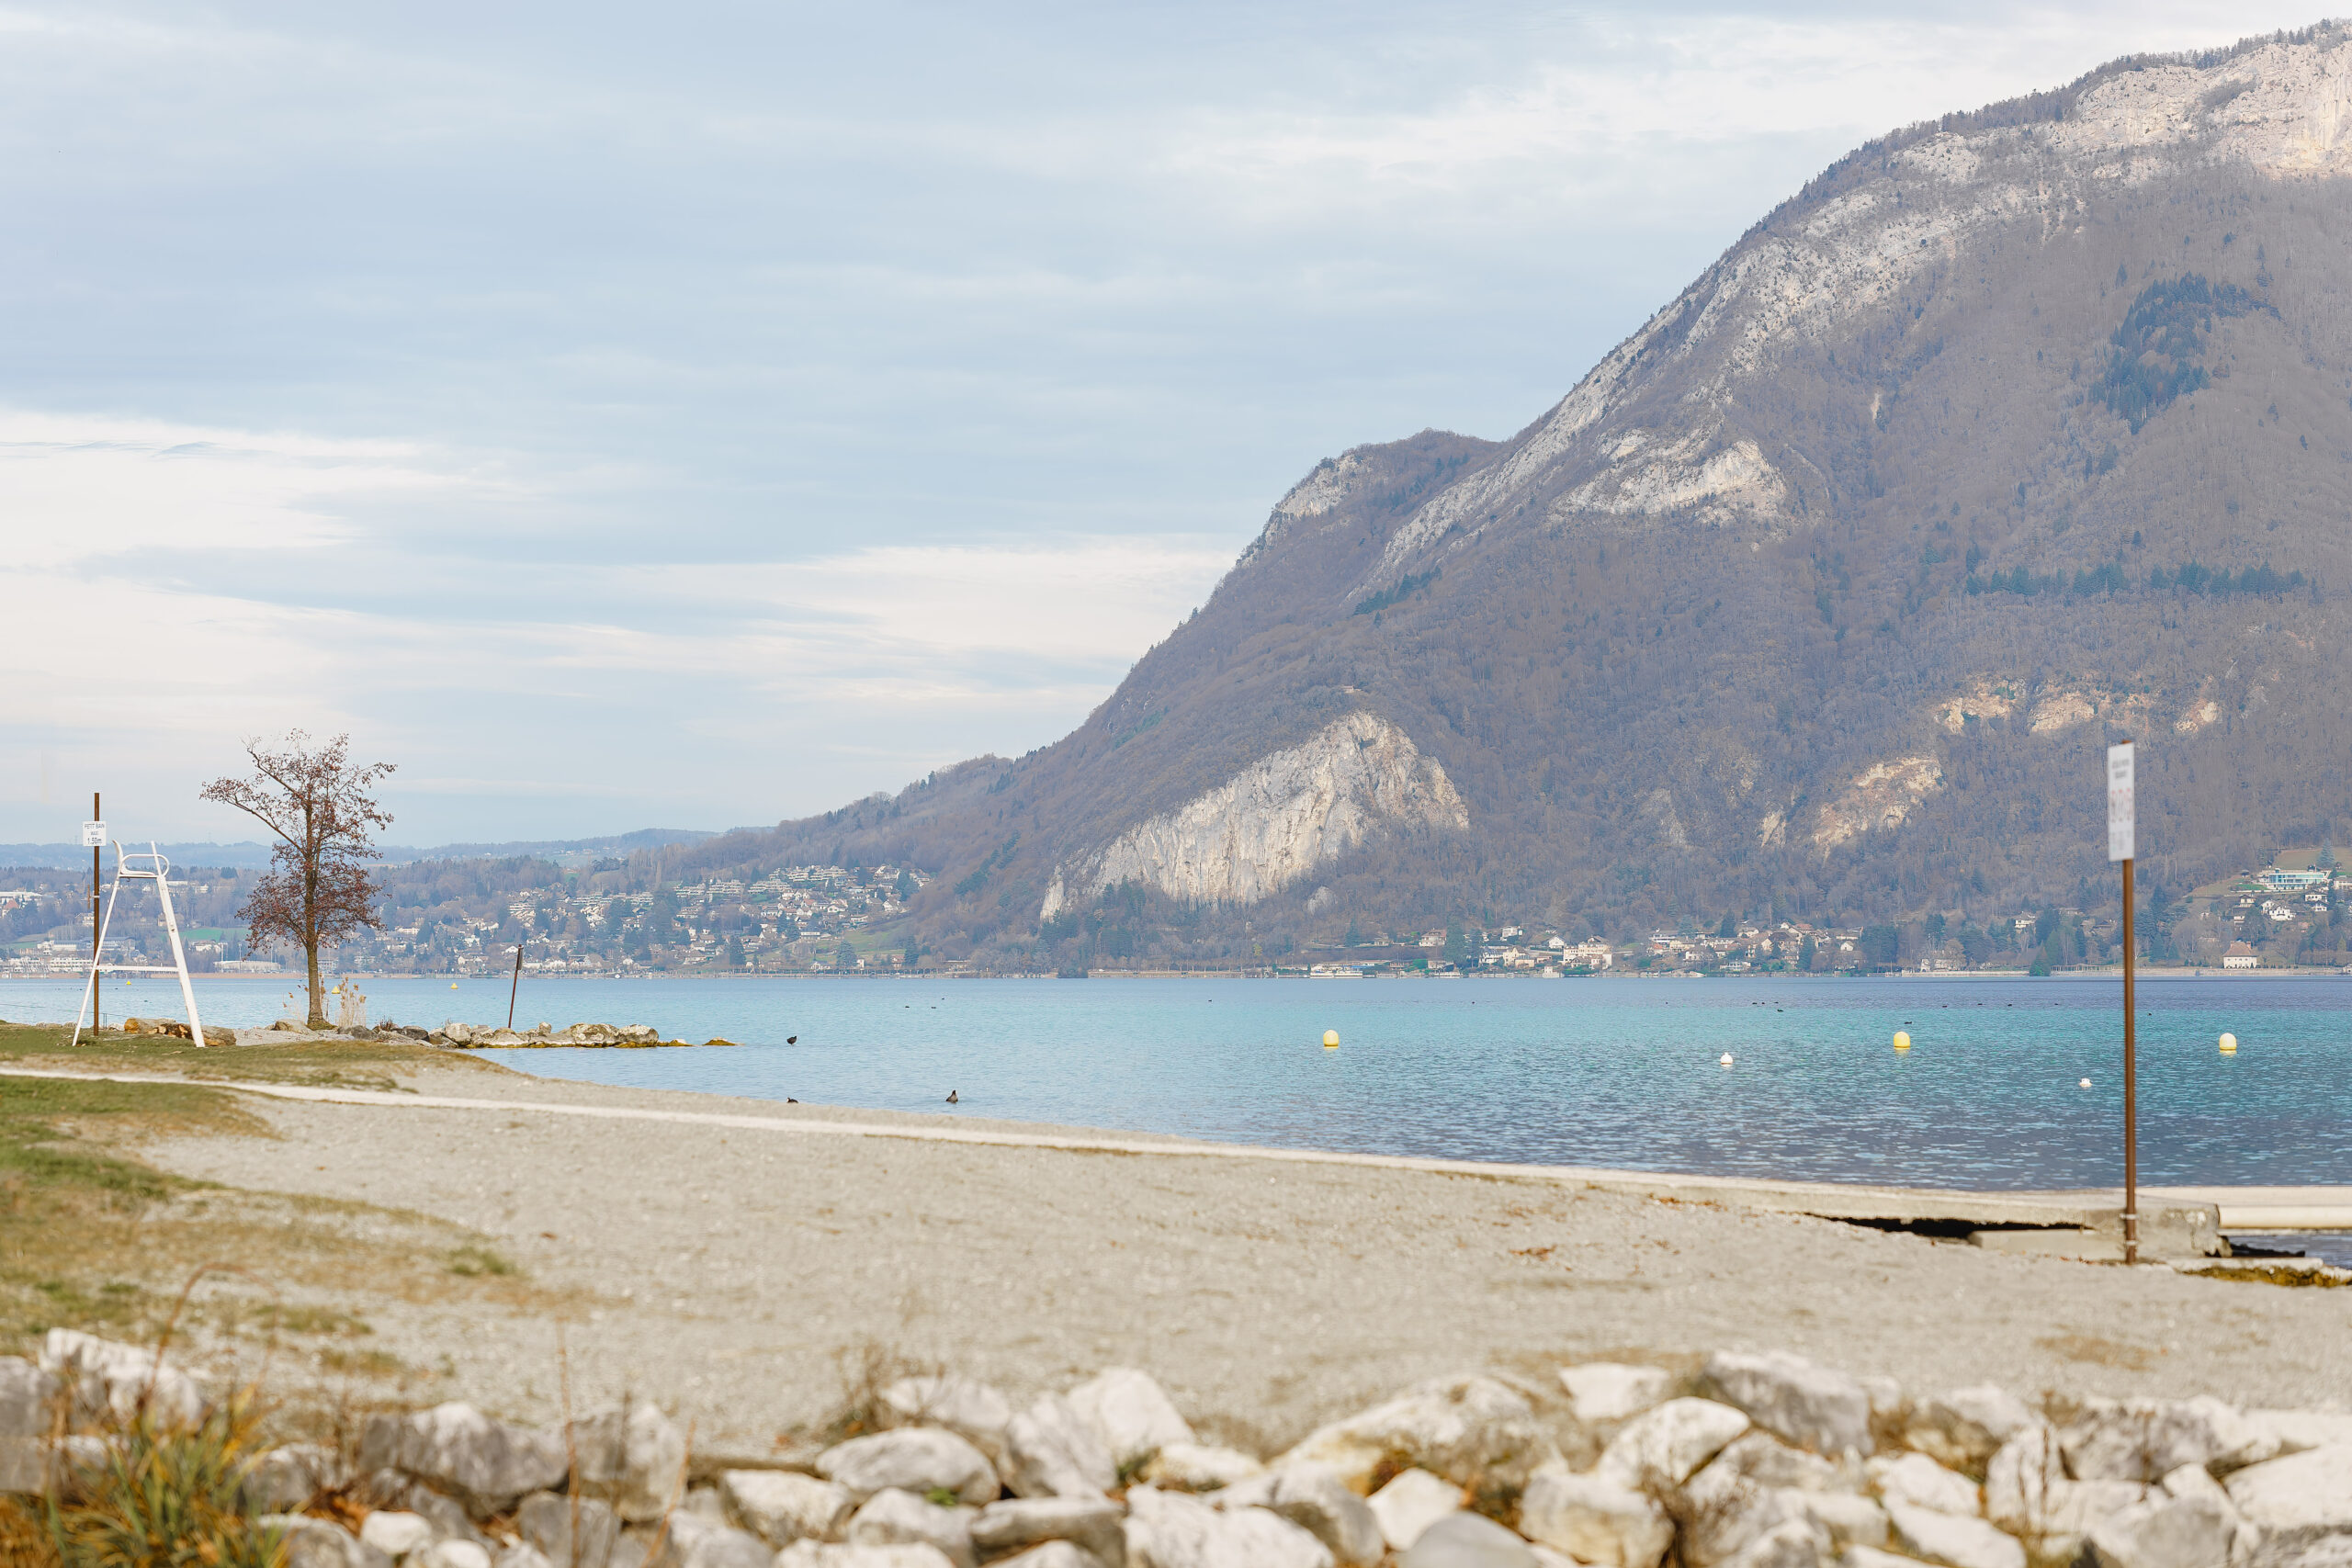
693,415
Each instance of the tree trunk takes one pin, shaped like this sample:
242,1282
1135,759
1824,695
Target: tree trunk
318,993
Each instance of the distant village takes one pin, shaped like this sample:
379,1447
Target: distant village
453,918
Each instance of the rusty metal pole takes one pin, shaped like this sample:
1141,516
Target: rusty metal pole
2131,1090
2122,847
513,989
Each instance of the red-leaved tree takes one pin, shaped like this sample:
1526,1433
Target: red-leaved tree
318,890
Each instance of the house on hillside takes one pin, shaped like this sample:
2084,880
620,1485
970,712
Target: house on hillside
2239,956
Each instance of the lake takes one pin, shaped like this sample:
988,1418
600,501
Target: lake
1575,1072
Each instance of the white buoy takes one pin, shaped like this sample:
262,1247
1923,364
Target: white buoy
2086,1083
1727,1058
2228,1045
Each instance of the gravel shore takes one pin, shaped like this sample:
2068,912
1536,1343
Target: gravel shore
730,1273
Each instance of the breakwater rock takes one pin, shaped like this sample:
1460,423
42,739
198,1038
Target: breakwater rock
1739,1461
477,1036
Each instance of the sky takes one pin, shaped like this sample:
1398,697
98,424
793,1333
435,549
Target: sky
709,414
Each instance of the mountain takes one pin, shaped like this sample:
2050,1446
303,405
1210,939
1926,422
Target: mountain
2012,434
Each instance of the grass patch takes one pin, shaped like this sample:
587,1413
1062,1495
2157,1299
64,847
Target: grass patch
2293,1279
473,1262
346,1064
93,1238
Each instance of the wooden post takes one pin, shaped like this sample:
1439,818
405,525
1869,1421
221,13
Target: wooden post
513,989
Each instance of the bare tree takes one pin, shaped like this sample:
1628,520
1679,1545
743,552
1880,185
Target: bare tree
318,889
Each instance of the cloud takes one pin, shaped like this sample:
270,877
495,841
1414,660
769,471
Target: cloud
715,417
177,588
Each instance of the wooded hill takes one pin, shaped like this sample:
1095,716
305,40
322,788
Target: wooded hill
2013,435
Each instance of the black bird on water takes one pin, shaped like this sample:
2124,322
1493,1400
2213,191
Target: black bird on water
951,1097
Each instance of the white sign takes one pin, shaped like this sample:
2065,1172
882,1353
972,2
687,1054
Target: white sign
2119,802
94,835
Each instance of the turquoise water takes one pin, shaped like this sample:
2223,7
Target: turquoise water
1608,1073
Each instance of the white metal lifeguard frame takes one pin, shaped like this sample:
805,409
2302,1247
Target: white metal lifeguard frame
157,870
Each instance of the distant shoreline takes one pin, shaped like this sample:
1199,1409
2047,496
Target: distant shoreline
2115,972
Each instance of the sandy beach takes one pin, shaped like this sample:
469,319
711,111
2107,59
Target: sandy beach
733,1273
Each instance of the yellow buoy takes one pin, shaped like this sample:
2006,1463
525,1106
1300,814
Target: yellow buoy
2228,1045
2086,1083
1902,1040
1331,1040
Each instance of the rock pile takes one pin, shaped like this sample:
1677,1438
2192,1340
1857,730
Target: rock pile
476,1036
464,1036
1750,1461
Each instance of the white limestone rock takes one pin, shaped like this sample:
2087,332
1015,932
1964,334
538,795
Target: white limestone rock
914,1459
893,1518
109,1379
818,1554
634,1457
2029,1494
1316,1501
2292,1432
1810,1405
2140,1439
1793,1544
1922,1482
456,1448
523,1554
965,1406
396,1534
1959,1540
1963,1429
27,1398
1412,1503
1096,1524
1611,1391
1052,1554
1170,1529
1469,1430
1468,1541
697,1541
1850,1520
1051,1450
544,1519
284,1479
454,1554
2298,1500
781,1506
1131,1414
1723,1512
1764,1460
2196,1531
321,1543
1662,1448
1196,1467
1870,1557
1593,1518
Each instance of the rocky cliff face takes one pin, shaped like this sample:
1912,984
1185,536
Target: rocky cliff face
2012,434
1271,825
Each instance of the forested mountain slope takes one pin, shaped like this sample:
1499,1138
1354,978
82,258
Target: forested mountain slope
2011,435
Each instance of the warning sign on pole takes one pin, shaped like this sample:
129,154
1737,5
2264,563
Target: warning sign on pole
2119,802
94,835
